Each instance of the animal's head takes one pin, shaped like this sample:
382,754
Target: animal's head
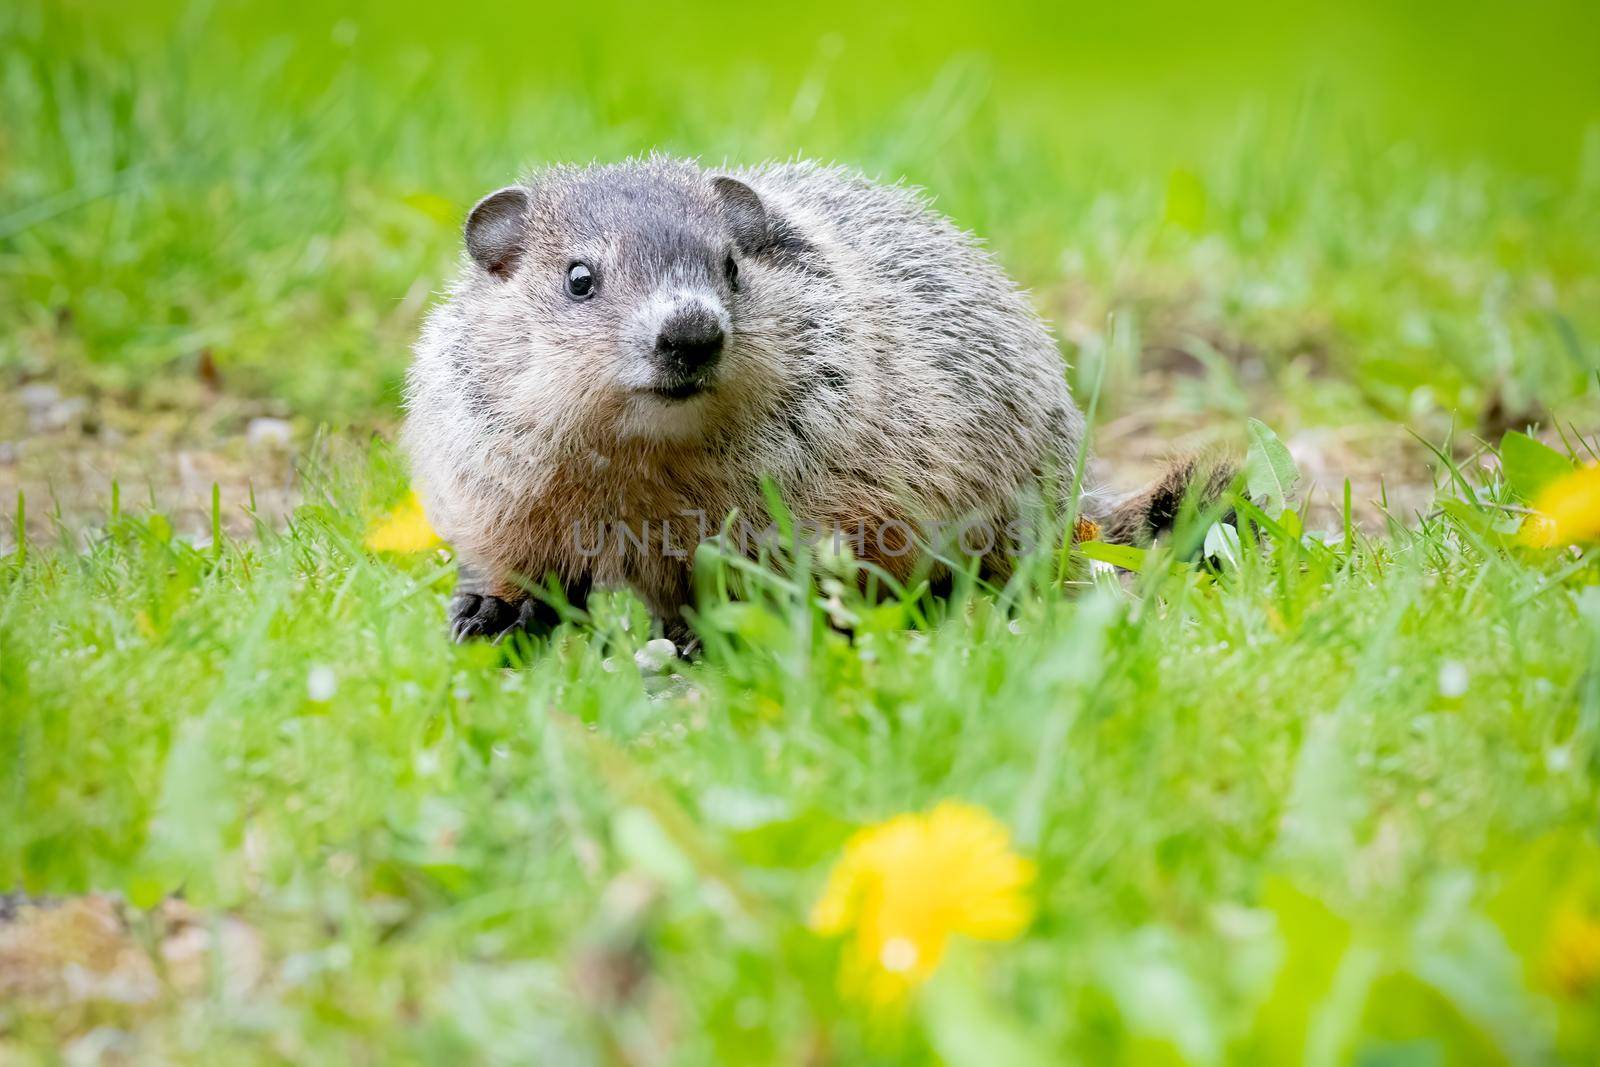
610,299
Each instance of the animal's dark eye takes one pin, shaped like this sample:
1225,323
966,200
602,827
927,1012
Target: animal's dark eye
731,269
580,281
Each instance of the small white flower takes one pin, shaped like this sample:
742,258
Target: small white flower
321,683
1453,678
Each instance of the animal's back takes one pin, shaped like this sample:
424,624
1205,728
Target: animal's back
965,402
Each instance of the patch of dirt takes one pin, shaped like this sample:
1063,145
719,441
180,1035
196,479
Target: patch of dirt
1388,469
86,958
65,453
1190,382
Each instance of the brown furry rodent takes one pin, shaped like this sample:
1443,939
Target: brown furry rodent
630,349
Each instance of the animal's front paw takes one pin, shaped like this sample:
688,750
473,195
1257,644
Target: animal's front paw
683,638
477,615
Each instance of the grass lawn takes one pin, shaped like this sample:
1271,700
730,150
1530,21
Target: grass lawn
1333,801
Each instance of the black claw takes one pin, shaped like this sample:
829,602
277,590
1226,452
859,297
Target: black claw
476,614
537,617
682,635
472,615
463,606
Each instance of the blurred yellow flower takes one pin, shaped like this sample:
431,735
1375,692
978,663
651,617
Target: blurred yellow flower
1568,511
403,530
1572,955
904,886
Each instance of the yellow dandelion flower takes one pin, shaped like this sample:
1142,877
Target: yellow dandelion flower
905,886
1568,511
403,530
1572,953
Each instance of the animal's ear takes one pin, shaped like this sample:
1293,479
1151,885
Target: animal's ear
497,229
742,209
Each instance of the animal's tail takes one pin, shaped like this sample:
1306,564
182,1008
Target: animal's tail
1201,481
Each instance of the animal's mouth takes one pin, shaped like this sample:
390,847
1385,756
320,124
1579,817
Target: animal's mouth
678,391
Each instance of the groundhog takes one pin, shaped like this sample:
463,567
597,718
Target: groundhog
633,353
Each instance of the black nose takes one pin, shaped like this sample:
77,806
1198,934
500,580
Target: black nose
690,342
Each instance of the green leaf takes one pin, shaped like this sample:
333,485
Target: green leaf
1459,953
1270,473
967,1026
1315,942
194,815
802,841
1167,1009
1536,880
1222,543
642,841
1407,1021
1493,526
1530,465
1127,557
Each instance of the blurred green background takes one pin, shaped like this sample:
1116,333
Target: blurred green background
274,190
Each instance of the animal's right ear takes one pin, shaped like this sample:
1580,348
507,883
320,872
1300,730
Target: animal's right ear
744,212
497,229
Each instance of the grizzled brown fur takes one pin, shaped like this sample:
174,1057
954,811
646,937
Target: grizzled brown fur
648,340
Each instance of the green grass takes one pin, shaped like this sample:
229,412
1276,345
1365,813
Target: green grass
1235,791
1330,805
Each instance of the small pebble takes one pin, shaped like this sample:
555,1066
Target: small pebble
38,397
656,656
266,432
69,410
